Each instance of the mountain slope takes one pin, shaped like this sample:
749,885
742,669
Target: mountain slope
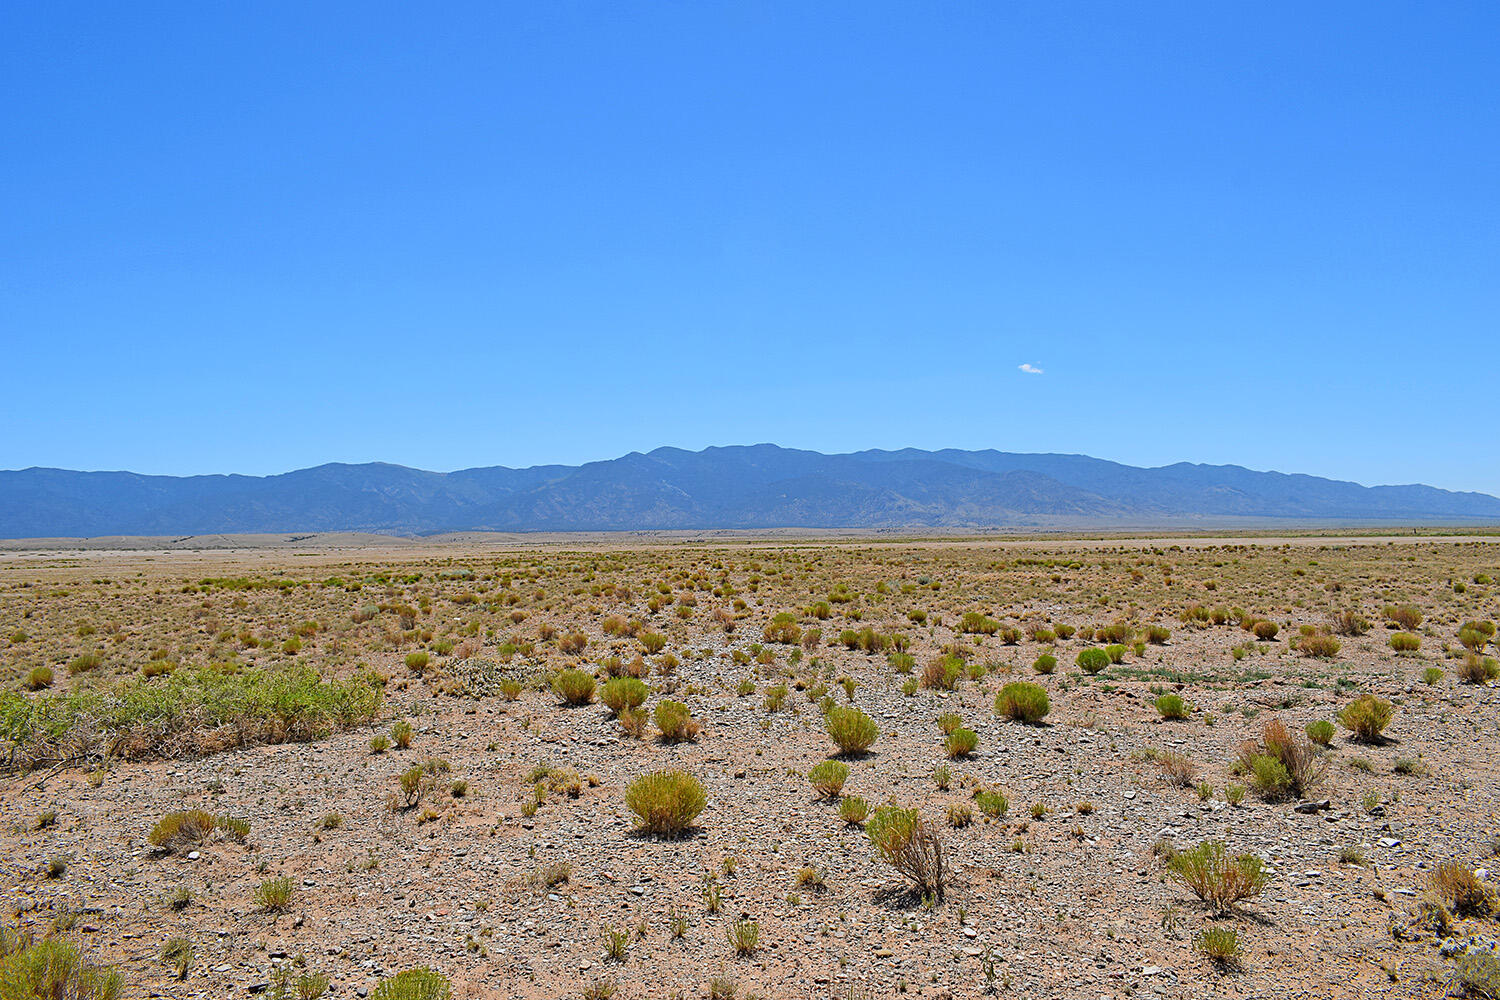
757,486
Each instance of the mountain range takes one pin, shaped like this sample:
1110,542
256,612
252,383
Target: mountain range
756,486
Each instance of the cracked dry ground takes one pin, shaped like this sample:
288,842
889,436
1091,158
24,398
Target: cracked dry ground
1073,902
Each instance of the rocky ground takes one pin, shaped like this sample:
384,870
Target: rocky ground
1076,901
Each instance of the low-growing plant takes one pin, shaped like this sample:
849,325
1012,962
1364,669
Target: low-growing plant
1216,877
961,742
413,984
665,802
180,831
828,778
573,686
274,895
619,693
851,730
1021,701
903,840
1171,706
1366,717
674,721
1320,732
853,810
1092,660
1220,945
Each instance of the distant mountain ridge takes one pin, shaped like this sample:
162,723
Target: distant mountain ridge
742,486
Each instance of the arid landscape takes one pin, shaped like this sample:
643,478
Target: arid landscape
776,767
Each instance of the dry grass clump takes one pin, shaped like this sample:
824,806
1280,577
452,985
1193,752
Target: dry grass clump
828,778
1021,701
1405,616
1215,877
275,895
413,984
665,802
1366,717
906,842
180,831
851,730
574,687
620,693
51,969
674,721
1460,889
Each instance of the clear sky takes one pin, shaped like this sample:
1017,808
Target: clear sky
257,237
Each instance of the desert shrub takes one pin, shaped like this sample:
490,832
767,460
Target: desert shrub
674,721
413,984
959,814
1158,635
274,895
975,623
743,936
665,802
1406,616
1022,702
1405,642
1478,669
1320,732
1217,878
417,661
622,692
1265,630
1177,769
961,742
1092,660
1117,632
783,628
1478,974
52,969
949,721
193,710
902,663
1218,944
574,687
1472,639
510,689
853,810
181,831
1432,675
1348,622
1323,647
1461,890
828,778
1064,631
903,840
653,642
1171,706
851,730
992,803
1281,763
84,662
1366,717
38,678
573,643
305,986
1045,664
1010,636
943,673
1116,652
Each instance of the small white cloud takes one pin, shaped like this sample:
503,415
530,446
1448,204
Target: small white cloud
1030,369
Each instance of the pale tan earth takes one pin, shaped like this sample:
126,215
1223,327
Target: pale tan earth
1075,903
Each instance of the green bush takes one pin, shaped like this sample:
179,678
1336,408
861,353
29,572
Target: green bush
1217,878
1045,664
665,802
949,721
1023,702
413,984
574,687
828,778
905,842
1171,706
193,710
51,969
181,831
1157,635
853,810
1218,944
993,804
674,721
274,895
417,661
1405,642
1116,653
1366,717
961,742
623,692
851,730
1092,660
1320,732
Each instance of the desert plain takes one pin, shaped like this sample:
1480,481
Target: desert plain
1249,766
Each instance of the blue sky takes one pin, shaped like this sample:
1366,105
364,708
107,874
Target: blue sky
257,237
